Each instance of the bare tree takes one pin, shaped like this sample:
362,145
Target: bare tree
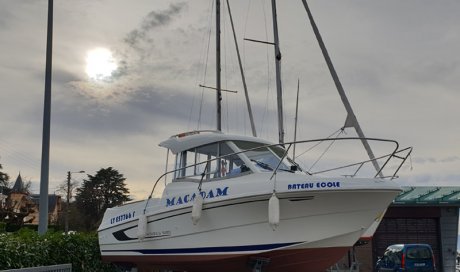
67,189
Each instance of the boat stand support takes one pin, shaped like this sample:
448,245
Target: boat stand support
257,263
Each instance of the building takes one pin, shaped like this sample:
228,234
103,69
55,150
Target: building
19,207
427,215
54,209
17,204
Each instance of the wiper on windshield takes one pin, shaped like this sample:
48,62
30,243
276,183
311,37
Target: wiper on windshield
262,164
287,170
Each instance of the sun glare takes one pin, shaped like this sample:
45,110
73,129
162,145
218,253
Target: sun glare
100,64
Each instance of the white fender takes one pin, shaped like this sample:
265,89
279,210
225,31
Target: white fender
142,227
274,211
197,208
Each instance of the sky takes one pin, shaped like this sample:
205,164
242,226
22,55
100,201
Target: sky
397,60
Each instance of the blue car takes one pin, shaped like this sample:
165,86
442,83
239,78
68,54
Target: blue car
407,258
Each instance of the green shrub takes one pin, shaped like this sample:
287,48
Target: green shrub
25,248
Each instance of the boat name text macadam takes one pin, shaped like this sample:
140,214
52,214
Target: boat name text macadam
311,185
218,192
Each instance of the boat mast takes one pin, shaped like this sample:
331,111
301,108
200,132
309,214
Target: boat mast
278,75
218,69
351,120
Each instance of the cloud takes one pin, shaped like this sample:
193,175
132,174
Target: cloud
433,160
137,112
450,159
392,70
141,64
154,19
431,179
5,16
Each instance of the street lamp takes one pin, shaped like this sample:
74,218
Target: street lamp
69,176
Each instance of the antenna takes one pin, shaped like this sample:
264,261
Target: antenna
295,120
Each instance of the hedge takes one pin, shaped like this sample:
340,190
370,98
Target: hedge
25,248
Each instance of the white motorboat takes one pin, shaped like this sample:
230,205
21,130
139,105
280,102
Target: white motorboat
239,203
257,206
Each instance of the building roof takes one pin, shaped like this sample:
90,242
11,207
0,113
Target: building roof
52,201
437,196
18,185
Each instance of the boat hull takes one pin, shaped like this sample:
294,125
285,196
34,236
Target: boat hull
316,229
307,259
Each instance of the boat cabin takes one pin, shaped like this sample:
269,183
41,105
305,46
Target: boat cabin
211,155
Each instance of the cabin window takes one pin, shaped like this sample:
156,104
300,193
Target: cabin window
266,159
214,160
230,164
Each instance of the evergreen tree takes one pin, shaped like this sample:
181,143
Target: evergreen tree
104,190
3,178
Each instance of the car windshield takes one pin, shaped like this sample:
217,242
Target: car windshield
418,253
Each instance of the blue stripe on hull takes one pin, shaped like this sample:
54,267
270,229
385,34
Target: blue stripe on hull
207,249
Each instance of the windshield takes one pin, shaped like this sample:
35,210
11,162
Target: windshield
418,253
265,158
210,161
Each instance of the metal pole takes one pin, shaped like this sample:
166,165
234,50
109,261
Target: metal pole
69,195
351,117
66,228
251,118
44,177
279,90
218,84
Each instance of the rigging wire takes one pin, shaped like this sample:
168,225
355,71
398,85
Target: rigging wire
206,64
338,132
231,67
248,9
224,33
198,79
267,95
245,30
326,150
268,73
